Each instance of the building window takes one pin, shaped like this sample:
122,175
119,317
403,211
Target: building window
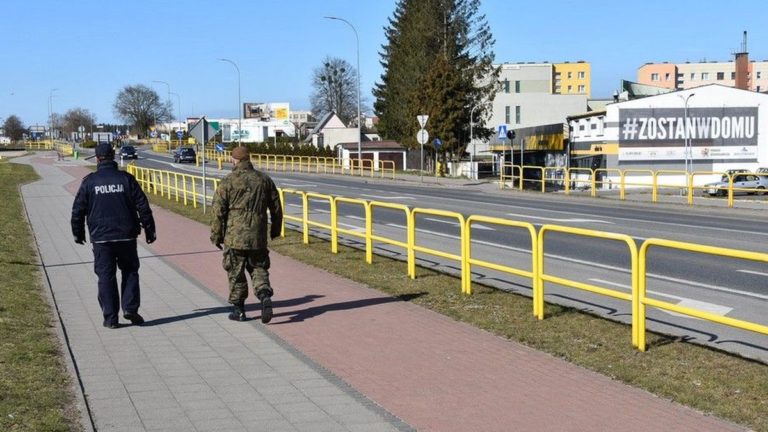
570,75
654,77
720,76
758,89
517,114
704,76
570,89
581,89
758,74
506,86
733,75
506,115
693,76
517,86
666,77
581,75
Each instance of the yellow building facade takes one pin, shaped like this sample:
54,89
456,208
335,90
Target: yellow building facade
572,78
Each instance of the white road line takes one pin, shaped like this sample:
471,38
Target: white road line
573,220
387,197
354,227
442,221
753,272
312,185
354,217
681,301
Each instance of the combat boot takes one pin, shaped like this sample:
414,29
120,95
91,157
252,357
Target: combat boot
266,309
238,312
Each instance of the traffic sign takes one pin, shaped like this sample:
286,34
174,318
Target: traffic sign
437,143
179,134
153,134
202,131
219,147
422,136
422,120
502,131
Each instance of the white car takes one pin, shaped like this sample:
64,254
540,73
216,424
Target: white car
743,183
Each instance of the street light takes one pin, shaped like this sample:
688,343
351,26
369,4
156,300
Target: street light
169,101
357,41
472,141
50,112
239,103
178,108
687,143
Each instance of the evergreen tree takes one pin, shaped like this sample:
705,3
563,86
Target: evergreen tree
438,60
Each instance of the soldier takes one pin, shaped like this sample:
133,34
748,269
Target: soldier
115,208
240,207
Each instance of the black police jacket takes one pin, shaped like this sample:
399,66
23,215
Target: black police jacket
113,204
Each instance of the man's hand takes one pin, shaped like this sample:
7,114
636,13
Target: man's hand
274,231
151,236
218,246
79,240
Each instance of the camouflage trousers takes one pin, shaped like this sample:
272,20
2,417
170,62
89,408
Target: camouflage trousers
236,263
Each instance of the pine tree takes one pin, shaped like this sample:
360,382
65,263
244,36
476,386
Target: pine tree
438,60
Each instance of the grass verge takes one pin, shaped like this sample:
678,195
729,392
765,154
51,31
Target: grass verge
706,379
35,388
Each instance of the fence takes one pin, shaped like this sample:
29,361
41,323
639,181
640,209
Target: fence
156,181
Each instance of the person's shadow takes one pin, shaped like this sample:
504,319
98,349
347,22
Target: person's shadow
296,316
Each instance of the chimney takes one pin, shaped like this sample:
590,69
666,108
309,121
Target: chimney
742,66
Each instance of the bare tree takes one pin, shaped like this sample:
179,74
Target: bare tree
140,106
335,89
75,118
14,128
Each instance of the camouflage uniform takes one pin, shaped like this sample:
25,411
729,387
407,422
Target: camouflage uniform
240,207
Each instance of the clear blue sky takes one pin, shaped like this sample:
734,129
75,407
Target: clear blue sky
90,49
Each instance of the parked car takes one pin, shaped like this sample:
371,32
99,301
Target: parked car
743,183
762,170
128,152
184,154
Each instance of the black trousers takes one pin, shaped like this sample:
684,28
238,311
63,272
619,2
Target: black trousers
107,258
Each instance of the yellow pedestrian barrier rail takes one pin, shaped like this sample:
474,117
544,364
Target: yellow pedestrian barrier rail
185,188
469,261
644,300
542,277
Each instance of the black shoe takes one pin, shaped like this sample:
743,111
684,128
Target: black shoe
238,313
134,318
111,325
266,310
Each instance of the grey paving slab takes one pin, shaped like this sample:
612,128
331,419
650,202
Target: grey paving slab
187,368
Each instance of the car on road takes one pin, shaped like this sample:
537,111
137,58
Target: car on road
128,152
184,154
743,183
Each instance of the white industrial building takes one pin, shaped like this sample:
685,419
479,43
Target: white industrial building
711,128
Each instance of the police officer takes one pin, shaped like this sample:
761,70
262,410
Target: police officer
240,223
115,208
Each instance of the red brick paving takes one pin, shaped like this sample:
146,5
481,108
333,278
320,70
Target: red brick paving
435,373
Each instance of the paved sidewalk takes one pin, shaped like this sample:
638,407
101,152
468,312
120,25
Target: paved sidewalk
189,368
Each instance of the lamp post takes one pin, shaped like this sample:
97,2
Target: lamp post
168,86
178,109
687,143
239,103
357,44
472,141
50,112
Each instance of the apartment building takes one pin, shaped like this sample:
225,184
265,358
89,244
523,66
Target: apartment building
572,78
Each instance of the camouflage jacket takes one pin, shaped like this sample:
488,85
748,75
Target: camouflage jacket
240,207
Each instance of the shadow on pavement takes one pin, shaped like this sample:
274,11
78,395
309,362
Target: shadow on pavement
298,316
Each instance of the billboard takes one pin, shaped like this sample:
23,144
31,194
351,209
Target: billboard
266,111
725,133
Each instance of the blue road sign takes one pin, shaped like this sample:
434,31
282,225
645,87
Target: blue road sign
153,134
219,148
437,143
179,134
502,131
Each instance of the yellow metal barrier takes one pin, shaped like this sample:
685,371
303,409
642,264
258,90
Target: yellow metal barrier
415,248
657,185
636,183
498,267
392,206
39,145
383,168
302,219
366,235
503,176
632,297
541,176
308,196
644,301
572,176
600,180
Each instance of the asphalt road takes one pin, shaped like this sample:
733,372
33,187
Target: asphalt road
728,287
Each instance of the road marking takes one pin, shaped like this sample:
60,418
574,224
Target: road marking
387,197
753,272
573,220
354,217
354,227
681,301
312,185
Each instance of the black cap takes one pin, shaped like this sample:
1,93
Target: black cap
104,150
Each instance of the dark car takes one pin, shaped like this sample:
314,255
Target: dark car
184,154
128,152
